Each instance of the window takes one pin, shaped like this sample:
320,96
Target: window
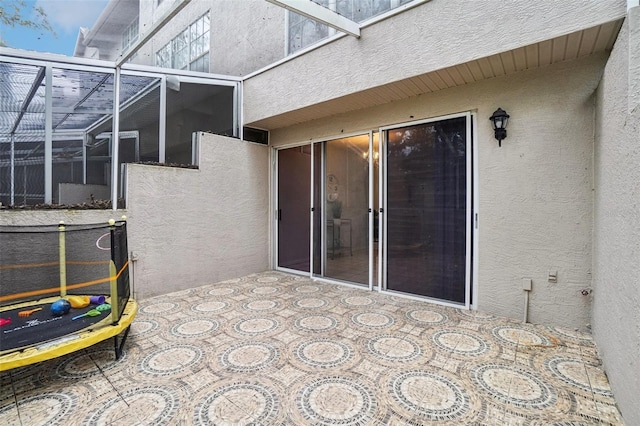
130,35
189,49
304,32
180,50
163,57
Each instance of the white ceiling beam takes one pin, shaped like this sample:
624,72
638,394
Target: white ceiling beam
27,100
81,110
321,14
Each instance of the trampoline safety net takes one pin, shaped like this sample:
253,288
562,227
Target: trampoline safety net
41,264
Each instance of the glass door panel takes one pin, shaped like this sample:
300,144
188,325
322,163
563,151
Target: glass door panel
294,199
426,209
341,218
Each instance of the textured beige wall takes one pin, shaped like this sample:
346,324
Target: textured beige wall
238,46
616,255
246,36
430,37
535,198
194,227
188,227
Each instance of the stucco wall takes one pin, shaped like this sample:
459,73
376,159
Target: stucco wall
238,46
188,227
616,256
194,227
430,37
246,36
535,200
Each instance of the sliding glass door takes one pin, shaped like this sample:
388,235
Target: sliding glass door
428,209
342,229
325,195
342,207
293,201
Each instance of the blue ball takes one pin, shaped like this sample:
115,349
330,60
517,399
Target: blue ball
60,307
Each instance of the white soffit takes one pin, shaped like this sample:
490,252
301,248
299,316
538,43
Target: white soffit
564,48
112,21
320,14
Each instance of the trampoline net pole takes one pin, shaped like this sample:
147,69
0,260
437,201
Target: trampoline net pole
113,273
114,292
63,259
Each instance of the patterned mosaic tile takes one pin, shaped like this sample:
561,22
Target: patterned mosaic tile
330,400
279,349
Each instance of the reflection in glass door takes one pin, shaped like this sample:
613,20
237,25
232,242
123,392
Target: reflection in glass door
294,199
341,209
428,209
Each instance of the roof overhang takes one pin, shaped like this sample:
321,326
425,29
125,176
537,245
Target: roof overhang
106,33
600,38
115,17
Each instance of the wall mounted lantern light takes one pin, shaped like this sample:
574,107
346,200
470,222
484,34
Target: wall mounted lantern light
499,120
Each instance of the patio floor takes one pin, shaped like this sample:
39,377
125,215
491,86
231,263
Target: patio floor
278,349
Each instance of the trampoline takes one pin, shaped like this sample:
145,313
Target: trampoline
82,268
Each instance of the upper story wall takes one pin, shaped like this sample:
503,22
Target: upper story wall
429,37
245,35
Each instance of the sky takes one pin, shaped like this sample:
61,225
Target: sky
65,16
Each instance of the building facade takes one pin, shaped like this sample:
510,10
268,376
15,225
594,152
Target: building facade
383,169
201,37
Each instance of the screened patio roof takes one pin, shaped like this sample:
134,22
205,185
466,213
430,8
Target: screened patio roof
55,108
82,92
80,98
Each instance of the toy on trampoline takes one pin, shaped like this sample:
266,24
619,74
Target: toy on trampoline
64,288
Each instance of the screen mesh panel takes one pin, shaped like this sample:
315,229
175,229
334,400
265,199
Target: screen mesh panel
29,263
34,258
41,264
